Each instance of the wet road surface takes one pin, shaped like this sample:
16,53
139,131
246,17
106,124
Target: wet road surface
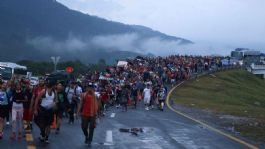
161,130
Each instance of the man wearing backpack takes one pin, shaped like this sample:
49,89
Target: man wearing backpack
72,97
161,95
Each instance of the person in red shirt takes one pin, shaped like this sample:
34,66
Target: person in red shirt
104,100
35,93
89,106
27,115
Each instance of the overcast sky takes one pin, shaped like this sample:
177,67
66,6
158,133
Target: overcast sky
235,23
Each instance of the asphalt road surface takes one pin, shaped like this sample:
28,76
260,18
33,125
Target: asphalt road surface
161,130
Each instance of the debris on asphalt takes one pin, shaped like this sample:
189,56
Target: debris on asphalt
133,131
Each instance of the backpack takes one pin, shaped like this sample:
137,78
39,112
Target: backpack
69,90
161,95
73,100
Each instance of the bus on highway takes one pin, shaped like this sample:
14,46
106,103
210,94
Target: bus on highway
8,69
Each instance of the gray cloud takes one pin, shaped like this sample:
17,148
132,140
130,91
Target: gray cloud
128,42
230,23
48,43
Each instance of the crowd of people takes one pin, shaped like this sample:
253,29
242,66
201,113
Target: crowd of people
140,79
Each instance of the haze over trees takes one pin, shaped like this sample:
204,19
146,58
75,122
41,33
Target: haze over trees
38,29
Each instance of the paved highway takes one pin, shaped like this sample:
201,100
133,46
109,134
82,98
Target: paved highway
160,130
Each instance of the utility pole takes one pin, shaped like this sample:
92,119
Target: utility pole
55,61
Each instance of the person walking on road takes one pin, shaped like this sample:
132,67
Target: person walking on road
27,115
88,109
161,95
125,97
4,111
62,105
35,93
44,112
72,97
147,96
134,95
18,98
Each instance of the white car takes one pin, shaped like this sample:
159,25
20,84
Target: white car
34,81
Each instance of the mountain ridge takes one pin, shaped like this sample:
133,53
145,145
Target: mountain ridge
30,19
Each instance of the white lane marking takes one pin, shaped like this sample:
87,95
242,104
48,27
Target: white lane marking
112,115
109,138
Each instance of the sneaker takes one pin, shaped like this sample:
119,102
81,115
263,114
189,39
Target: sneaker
47,141
13,136
41,139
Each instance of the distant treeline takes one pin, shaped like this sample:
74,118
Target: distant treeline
44,67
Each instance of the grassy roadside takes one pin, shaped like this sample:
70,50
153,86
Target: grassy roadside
235,92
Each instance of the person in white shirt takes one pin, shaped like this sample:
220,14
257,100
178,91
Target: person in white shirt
147,96
44,112
79,91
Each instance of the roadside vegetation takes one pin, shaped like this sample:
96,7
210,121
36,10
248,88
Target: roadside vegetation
41,68
234,93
